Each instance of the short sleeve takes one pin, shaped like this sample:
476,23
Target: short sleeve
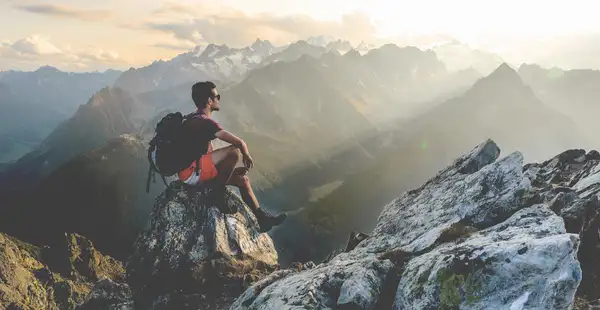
212,127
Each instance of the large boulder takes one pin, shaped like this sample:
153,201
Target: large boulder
193,256
51,278
475,234
570,184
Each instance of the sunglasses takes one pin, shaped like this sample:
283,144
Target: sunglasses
217,96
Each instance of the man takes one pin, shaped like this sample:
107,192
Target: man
224,166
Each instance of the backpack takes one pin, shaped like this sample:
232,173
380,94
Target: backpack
169,151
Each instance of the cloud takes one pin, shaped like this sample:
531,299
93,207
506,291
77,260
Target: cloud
199,24
35,45
175,46
65,11
39,50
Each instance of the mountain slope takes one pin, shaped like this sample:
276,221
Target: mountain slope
499,106
574,93
458,56
38,102
105,116
99,193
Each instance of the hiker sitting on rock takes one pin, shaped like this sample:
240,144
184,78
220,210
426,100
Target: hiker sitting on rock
224,166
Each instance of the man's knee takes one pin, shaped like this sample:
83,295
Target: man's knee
234,153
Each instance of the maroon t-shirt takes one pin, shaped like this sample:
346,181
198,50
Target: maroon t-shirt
202,129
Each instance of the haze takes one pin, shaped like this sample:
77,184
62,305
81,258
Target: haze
75,35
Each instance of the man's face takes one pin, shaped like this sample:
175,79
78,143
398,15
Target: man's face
215,100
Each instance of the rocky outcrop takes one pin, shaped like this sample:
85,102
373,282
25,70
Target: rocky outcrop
109,295
51,278
192,256
570,184
478,234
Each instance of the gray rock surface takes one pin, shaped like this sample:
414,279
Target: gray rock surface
108,295
570,184
474,235
192,256
525,262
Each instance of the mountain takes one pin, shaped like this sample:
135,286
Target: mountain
497,106
294,52
213,62
363,47
38,102
459,56
574,93
99,193
281,108
221,63
322,40
106,115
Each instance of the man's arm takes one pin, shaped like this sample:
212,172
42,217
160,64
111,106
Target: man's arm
239,143
230,138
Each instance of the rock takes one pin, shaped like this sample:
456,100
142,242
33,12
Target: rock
524,262
28,279
577,202
109,295
193,256
477,224
354,239
77,258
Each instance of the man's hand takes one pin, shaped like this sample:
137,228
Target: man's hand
248,162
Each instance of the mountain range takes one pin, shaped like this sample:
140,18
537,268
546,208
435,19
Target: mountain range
333,133
295,115
221,63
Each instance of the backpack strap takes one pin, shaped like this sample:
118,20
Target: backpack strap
152,170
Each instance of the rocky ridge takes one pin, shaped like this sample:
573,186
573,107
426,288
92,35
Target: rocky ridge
51,278
483,233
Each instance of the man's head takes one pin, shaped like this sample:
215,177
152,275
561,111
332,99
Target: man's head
204,94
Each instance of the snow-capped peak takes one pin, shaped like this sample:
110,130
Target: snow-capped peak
198,50
362,46
320,40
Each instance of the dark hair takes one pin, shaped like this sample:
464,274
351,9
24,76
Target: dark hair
201,91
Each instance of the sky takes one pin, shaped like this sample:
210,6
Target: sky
83,35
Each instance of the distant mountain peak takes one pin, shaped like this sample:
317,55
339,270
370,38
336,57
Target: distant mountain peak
261,46
504,68
214,50
505,73
321,40
503,79
47,69
362,46
198,50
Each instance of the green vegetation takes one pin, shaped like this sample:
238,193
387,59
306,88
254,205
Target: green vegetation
455,288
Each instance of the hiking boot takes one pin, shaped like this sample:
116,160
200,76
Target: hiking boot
217,196
266,220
